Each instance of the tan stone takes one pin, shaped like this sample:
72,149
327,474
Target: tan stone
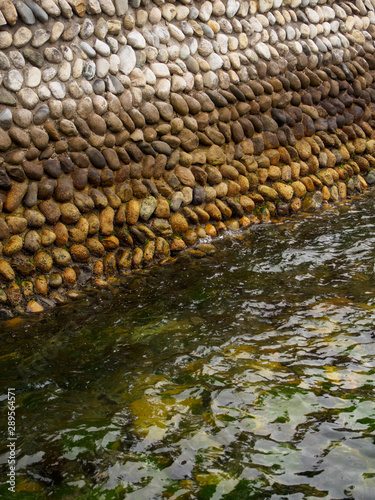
69,276
274,173
185,176
111,243
14,196
263,175
211,230
27,289
177,245
326,193
14,294
98,268
334,193
79,233
106,218
202,214
80,253
285,191
94,224
244,184
299,189
341,186
162,247
148,254
41,285
247,203
62,235
295,170
216,156
179,223
190,237
34,307
162,210
326,177
69,213
221,189
132,212
213,211
48,237
233,188
268,192
6,271
296,205
95,247
304,149
110,264
125,260
13,246
43,261
61,257
137,257
224,209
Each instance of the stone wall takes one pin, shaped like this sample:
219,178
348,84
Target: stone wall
132,131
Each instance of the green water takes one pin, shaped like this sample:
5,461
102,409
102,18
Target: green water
245,375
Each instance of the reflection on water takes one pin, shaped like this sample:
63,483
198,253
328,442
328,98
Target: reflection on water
245,375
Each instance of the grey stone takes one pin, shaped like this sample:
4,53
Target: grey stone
33,77
102,68
121,7
114,85
87,29
44,93
49,73
176,33
187,29
7,98
65,71
4,62
232,8
114,64
51,8
28,98
127,59
67,53
87,49
194,13
37,10
207,31
24,12
13,80
136,40
22,117
98,87
34,57
113,44
58,90
148,207
6,119
102,48
53,55
215,62
40,37
89,70
22,36
162,33
107,7
41,114
5,39
17,59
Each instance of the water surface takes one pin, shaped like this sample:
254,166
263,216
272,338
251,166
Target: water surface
245,375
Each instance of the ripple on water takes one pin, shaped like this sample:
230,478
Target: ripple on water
249,374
